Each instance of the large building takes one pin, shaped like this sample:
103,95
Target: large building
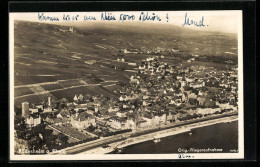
33,119
121,123
83,120
31,115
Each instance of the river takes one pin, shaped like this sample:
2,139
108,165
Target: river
218,136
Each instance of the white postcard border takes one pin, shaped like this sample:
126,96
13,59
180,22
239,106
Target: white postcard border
239,155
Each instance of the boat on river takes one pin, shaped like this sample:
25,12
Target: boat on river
156,140
118,150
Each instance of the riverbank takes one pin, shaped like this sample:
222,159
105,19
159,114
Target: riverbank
158,134
105,141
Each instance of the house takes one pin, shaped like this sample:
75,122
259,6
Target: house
184,97
145,97
130,124
149,118
170,117
120,59
144,89
190,80
143,124
141,67
201,100
197,85
113,109
80,98
193,94
65,113
134,80
204,111
202,93
33,119
57,121
59,116
83,120
119,123
150,59
224,106
158,119
101,122
183,83
34,110
121,114
123,98
71,29
62,30
81,107
132,64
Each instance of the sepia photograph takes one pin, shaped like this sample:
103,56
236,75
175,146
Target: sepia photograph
126,85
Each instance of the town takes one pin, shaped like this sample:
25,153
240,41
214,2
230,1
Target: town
158,94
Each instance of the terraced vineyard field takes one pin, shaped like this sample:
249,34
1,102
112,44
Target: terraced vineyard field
52,86
33,99
70,83
50,62
22,91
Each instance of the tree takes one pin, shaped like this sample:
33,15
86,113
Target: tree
18,110
91,99
50,140
35,143
19,123
62,139
47,133
137,102
38,129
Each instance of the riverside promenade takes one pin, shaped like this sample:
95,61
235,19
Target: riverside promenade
158,134
130,138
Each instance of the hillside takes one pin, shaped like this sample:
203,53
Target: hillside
50,60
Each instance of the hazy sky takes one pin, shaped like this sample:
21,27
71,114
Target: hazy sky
222,21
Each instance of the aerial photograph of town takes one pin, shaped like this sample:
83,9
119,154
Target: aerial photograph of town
113,88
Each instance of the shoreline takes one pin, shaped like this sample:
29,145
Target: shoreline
159,134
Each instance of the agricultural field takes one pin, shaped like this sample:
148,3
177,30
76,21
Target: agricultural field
63,94
22,91
92,80
107,83
32,99
84,90
51,86
70,83
37,89
85,62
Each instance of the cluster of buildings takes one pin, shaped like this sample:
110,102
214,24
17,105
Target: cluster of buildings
158,50
144,50
70,29
168,93
157,95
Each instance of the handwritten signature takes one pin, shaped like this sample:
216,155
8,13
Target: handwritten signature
188,22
